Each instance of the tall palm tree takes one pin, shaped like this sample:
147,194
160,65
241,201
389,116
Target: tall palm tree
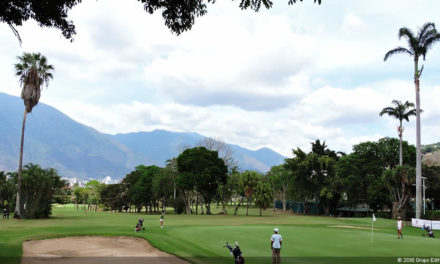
33,72
401,112
418,46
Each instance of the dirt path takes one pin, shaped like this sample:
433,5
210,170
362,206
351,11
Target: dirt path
94,250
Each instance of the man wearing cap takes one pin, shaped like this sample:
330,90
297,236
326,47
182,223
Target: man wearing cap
399,228
275,244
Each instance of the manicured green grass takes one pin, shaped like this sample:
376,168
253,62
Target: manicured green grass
199,238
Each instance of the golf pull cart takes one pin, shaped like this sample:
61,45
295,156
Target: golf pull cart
236,253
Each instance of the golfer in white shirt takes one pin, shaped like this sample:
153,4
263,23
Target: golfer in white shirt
275,244
399,228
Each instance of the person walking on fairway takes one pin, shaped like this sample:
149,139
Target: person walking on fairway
161,220
399,228
275,244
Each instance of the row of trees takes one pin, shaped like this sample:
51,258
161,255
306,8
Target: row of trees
193,180
371,175
38,188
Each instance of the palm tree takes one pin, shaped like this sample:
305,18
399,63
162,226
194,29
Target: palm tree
33,71
417,46
401,112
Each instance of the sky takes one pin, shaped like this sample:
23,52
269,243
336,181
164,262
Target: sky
280,78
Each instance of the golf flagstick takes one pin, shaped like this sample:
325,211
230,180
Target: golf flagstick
372,222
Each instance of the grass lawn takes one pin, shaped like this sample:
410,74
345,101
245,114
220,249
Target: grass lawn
200,238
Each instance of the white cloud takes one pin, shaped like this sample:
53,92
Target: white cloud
280,78
353,22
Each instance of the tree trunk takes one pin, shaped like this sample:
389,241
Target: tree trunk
395,210
202,209
247,207
208,208
197,204
274,203
17,213
238,206
326,210
188,203
418,151
284,201
400,144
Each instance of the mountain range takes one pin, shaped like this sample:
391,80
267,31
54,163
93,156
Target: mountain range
52,139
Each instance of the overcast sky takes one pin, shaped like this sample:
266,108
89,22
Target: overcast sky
280,78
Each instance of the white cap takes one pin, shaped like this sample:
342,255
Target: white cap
276,229
236,243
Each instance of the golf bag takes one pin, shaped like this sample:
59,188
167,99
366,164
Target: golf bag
236,253
429,232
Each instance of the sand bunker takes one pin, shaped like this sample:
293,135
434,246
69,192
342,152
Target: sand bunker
354,227
94,249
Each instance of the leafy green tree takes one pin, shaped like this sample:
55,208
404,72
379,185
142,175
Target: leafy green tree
354,183
111,197
93,188
142,194
237,189
81,197
418,46
361,171
171,166
250,181
314,175
7,190
401,112
224,151
399,182
128,187
33,72
263,196
202,169
179,16
38,187
432,174
186,184
163,186
298,169
280,179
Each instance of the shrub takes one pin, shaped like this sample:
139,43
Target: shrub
178,204
432,215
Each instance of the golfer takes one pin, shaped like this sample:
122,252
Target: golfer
275,244
399,228
161,220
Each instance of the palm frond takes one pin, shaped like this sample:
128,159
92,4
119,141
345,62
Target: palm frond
408,104
396,102
412,112
425,32
396,51
33,71
291,2
389,111
430,41
412,40
406,32
400,111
